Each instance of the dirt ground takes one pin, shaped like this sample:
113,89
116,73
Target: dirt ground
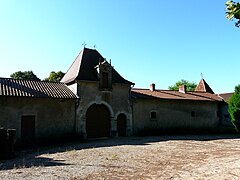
162,157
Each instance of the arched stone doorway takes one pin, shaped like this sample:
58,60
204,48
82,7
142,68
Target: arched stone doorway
121,124
97,121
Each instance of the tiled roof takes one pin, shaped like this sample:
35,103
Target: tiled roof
83,68
204,87
226,96
175,95
31,88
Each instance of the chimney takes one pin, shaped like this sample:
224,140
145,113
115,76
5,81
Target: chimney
182,89
152,87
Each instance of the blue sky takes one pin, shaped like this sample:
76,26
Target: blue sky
148,41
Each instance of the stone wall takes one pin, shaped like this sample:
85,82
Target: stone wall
174,114
117,101
53,117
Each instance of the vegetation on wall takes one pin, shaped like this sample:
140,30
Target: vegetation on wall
234,108
190,86
233,12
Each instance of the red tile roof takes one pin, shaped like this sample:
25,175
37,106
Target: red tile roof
31,88
204,87
226,96
176,95
83,68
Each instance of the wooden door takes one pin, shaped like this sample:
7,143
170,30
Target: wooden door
27,128
121,125
97,121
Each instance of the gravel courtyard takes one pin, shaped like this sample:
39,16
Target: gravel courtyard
162,157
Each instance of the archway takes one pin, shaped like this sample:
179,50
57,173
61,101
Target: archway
121,124
97,121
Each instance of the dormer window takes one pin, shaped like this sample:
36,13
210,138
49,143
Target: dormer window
104,80
104,70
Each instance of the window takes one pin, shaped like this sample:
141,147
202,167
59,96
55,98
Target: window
105,83
153,115
193,114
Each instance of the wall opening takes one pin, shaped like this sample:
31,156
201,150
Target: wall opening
28,128
122,124
153,115
97,121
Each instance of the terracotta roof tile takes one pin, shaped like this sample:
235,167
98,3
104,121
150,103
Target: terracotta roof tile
31,88
226,96
176,95
204,87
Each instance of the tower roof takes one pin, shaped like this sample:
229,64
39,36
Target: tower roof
83,68
204,87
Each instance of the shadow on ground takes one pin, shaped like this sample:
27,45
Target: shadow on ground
30,157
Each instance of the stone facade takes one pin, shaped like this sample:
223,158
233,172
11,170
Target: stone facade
174,115
96,82
53,117
117,101
93,100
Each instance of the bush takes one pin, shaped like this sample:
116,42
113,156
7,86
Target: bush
234,108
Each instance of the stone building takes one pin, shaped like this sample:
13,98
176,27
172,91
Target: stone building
36,109
171,111
93,100
104,107
225,116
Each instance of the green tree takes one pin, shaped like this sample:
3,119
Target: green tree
234,108
189,86
55,76
233,11
27,75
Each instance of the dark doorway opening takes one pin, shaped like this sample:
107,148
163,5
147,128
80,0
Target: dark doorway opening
28,128
121,124
97,121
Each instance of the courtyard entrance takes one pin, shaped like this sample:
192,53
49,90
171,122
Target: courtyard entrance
97,121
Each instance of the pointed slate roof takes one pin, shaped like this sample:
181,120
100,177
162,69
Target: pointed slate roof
83,68
204,87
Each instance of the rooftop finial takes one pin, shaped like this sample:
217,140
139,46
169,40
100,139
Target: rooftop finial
202,75
94,46
110,62
84,44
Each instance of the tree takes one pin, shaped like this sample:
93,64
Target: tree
27,75
234,108
233,11
55,76
189,86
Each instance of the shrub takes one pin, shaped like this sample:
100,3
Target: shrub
234,108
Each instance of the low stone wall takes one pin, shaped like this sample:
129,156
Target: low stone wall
7,141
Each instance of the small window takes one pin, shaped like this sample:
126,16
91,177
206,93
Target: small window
153,115
193,114
105,83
